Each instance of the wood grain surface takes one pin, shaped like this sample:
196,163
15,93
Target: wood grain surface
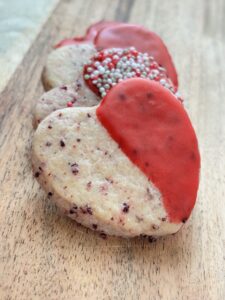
46,256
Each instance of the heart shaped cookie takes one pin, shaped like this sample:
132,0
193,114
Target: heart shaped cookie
127,167
103,71
90,35
64,64
108,67
145,41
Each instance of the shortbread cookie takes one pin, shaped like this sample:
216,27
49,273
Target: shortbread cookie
107,35
144,40
65,65
128,167
77,94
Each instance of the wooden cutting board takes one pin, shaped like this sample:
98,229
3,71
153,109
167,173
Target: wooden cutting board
47,256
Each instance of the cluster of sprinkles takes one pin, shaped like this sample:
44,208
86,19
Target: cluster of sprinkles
110,66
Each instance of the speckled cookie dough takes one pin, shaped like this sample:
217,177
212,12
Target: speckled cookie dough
74,95
88,176
65,65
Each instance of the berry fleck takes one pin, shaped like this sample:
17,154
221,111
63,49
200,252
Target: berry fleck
86,210
75,168
155,227
89,210
62,144
125,208
73,210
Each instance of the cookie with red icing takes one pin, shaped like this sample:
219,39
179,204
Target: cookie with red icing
105,35
89,36
144,40
104,70
128,167
108,67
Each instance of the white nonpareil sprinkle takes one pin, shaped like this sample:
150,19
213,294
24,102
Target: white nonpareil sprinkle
108,67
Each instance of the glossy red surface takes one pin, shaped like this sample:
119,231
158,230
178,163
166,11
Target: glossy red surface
152,128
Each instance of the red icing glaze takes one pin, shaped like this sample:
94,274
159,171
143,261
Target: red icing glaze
128,35
89,36
93,30
154,131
